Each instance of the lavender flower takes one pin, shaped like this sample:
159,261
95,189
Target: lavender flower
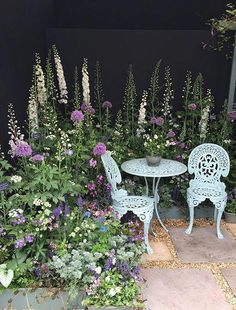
37,157
4,186
192,106
107,105
99,149
83,107
77,116
20,243
80,202
157,120
69,152
87,214
171,134
23,149
57,212
29,238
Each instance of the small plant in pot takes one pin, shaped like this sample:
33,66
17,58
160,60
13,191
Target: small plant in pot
154,146
230,210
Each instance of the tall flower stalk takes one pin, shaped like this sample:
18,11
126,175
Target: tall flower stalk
85,83
63,93
154,89
129,103
14,131
77,97
167,97
142,114
203,124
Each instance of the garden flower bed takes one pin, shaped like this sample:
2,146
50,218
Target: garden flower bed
58,229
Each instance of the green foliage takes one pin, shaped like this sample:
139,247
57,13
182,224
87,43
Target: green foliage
98,93
76,90
154,90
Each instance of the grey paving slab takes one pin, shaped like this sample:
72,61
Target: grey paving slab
203,245
230,276
182,289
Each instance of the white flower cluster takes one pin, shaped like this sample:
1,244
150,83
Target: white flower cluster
85,82
14,131
204,122
114,290
142,114
15,212
16,178
38,202
63,97
33,113
40,84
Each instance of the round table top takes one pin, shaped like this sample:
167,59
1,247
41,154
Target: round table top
166,168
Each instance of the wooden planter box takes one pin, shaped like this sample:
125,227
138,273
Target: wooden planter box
39,299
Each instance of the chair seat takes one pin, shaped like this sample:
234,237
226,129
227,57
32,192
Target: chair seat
132,203
208,192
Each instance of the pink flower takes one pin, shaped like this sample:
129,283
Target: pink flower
37,157
99,149
171,134
192,106
179,157
157,120
77,116
92,163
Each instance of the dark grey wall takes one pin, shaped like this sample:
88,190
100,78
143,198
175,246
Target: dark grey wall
22,33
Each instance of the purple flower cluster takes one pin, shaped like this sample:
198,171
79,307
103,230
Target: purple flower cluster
37,158
61,209
159,121
99,149
171,134
19,219
20,243
4,186
77,116
192,106
84,107
107,105
80,202
23,149
92,163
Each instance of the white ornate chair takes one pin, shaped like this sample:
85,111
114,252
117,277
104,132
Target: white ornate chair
208,162
141,206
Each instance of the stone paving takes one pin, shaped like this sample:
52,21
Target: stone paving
196,271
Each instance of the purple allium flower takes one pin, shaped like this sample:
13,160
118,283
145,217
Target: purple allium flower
4,186
83,107
107,105
99,149
29,238
87,214
77,116
157,120
57,212
69,152
20,243
23,149
80,201
192,106
37,157
103,229
232,115
92,163
91,111
171,134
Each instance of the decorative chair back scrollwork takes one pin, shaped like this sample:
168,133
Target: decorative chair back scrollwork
112,172
208,162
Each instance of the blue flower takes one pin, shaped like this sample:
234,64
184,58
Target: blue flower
80,201
103,229
87,214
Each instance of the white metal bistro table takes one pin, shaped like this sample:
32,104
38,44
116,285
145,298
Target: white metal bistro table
166,168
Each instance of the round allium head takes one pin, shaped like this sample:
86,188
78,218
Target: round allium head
23,149
91,111
83,107
69,152
77,116
37,157
107,104
99,149
157,120
171,134
192,106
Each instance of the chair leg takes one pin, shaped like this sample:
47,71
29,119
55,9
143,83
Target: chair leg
218,230
215,214
191,215
146,229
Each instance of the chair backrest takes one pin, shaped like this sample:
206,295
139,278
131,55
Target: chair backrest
208,162
112,171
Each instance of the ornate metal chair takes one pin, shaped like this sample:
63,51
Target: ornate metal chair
141,206
208,162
